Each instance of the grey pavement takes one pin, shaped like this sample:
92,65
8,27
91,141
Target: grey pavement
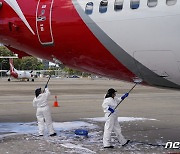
82,98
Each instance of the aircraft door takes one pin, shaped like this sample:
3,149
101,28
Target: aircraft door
161,62
44,23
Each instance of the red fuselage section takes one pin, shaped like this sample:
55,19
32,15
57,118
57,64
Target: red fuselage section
54,30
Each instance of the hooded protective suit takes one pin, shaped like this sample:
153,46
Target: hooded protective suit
111,122
43,113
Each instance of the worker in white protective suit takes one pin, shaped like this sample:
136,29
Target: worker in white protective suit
43,113
109,104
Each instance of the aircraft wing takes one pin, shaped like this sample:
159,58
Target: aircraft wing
4,70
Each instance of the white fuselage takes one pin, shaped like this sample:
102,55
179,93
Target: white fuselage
24,75
148,34
20,74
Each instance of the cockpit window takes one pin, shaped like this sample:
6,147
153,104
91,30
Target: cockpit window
134,4
171,2
152,3
118,5
89,8
103,6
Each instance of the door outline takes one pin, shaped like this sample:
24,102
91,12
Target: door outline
171,73
38,19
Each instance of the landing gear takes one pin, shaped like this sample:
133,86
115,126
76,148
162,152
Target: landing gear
32,80
27,79
9,79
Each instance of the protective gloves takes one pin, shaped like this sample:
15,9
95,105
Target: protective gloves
124,96
111,110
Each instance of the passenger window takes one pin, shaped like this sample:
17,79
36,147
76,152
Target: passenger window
89,8
171,2
103,6
152,3
118,5
134,4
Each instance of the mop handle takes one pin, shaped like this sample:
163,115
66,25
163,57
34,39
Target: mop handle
123,99
47,83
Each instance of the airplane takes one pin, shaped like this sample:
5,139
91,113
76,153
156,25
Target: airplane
22,75
119,39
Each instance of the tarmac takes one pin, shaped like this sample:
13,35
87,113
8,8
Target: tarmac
81,98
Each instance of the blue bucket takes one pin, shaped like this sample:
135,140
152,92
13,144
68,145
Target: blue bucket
81,132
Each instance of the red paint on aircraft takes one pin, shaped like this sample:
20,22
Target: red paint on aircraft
73,43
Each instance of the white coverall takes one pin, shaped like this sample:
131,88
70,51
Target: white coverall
111,122
43,113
